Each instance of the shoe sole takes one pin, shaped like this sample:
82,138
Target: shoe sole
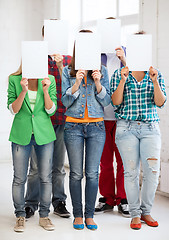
62,215
108,210
124,215
135,228
47,229
19,231
78,228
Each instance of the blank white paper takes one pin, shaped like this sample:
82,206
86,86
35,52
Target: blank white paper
87,51
139,52
34,59
56,33
110,33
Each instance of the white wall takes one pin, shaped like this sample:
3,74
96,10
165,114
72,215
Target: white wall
19,20
154,19
23,19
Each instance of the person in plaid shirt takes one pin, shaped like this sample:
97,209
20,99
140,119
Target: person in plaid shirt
136,96
56,62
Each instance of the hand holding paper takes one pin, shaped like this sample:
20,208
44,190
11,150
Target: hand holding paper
124,74
153,74
121,55
97,76
45,83
79,76
24,84
58,59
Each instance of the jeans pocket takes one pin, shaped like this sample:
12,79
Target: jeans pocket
157,129
154,129
69,125
100,125
121,131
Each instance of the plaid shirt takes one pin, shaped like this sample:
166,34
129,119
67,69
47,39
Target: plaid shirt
58,118
138,98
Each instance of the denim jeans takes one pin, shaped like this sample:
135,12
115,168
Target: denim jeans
92,137
21,156
139,141
58,174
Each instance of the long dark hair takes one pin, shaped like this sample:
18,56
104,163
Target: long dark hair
72,64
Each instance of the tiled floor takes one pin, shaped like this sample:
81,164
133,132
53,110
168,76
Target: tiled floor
111,225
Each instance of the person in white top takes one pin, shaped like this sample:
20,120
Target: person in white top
111,187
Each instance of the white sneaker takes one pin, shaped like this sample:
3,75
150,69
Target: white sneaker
20,224
46,224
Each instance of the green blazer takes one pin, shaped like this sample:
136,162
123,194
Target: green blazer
27,121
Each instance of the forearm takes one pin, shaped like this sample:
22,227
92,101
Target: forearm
98,86
117,96
16,105
48,101
60,68
75,88
159,97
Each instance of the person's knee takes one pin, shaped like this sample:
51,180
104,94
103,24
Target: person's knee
76,176
92,175
132,170
19,180
153,164
45,177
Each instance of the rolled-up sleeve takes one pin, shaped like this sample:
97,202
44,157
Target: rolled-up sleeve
51,110
11,92
162,86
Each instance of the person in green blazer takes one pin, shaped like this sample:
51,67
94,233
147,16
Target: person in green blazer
32,101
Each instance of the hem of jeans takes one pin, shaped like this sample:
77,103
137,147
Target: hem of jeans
135,216
76,216
145,213
20,215
89,216
43,215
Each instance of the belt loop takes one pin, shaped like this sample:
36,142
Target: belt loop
129,125
150,126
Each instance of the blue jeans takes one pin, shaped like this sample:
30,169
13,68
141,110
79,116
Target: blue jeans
58,174
139,141
21,156
92,136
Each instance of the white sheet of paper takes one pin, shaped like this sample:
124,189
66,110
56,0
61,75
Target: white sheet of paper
56,32
110,32
87,51
34,59
139,52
